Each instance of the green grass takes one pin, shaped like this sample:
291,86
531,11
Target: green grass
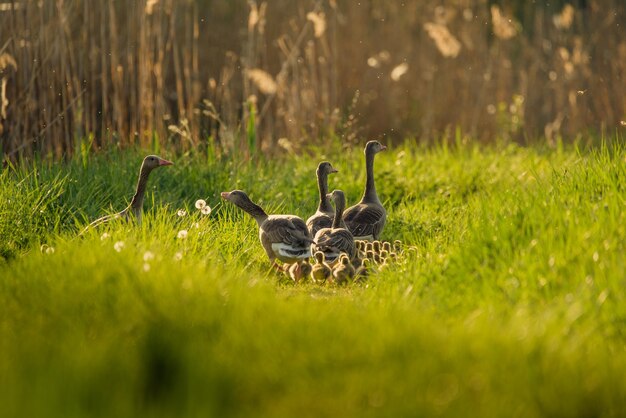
513,303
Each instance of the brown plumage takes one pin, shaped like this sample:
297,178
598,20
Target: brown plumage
343,272
134,209
323,217
336,239
283,237
320,271
298,271
366,219
364,270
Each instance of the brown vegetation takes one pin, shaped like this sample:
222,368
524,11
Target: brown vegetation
227,74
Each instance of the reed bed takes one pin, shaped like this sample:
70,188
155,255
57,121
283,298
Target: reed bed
249,77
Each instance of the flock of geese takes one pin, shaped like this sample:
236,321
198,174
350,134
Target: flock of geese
343,242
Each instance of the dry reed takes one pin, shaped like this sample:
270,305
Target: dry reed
180,73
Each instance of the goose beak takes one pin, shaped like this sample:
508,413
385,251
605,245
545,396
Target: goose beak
225,195
383,147
165,162
333,170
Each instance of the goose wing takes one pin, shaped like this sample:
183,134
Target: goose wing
333,242
291,231
364,220
318,221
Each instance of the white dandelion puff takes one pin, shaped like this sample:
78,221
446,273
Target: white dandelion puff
181,212
104,236
206,210
50,250
178,256
148,255
146,267
182,234
200,203
119,246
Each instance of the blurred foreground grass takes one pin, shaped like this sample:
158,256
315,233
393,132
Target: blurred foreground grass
512,305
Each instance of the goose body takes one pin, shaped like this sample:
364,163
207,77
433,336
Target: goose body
320,271
335,240
343,271
366,219
135,208
323,217
283,237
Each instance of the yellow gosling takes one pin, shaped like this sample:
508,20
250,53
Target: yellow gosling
320,271
343,271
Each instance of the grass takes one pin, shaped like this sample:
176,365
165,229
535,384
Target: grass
513,303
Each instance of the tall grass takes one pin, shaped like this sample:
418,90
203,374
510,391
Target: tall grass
511,301
176,73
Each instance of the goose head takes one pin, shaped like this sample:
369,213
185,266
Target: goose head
153,161
326,168
236,197
338,197
374,147
319,257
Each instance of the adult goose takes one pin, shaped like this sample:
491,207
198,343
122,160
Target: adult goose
323,218
283,237
335,240
366,219
134,209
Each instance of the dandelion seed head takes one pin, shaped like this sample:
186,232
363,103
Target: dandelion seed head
119,246
178,256
206,210
146,267
200,203
181,212
104,236
148,255
182,234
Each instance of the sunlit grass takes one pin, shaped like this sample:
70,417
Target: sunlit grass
512,302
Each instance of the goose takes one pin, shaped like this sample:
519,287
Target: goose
343,271
364,270
305,269
134,209
320,271
335,240
298,271
283,237
323,217
367,218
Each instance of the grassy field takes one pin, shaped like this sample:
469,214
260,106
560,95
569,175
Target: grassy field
512,304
